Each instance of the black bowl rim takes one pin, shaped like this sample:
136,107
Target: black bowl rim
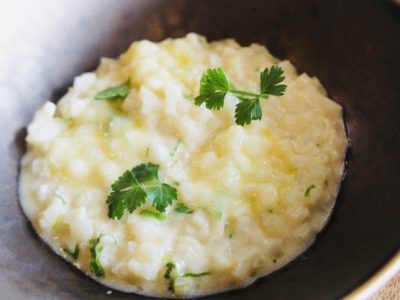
387,272
378,280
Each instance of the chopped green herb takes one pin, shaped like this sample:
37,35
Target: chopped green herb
61,198
177,183
172,276
153,214
230,235
326,182
74,254
170,267
318,145
196,274
270,211
181,208
147,152
132,189
59,227
168,275
214,85
309,189
119,92
95,249
173,151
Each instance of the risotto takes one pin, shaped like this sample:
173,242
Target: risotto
242,201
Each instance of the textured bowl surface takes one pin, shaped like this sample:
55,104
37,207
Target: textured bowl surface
352,46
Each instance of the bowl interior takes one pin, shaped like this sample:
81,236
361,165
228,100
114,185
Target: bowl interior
351,46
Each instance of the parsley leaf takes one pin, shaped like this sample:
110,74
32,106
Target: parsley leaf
248,110
145,172
127,194
95,249
74,254
214,85
119,92
161,196
132,189
269,82
309,189
181,208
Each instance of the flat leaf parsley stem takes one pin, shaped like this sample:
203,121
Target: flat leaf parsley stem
244,93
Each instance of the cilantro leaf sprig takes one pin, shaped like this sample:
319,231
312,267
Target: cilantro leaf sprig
214,85
135,186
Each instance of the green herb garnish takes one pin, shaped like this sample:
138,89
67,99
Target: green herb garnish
309,189
173,151
181,208
153,214
119,92
168,275
95,249
196,274
61,198
135,186
74,254
172,276
214,86
170,266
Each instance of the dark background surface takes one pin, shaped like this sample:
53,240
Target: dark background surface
352,46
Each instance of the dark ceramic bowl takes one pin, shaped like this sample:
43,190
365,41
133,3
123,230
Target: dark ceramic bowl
352,46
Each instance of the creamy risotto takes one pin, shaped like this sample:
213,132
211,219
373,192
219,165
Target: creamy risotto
249,198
